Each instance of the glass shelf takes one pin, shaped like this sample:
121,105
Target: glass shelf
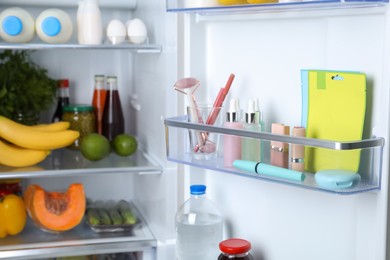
67,162
204,8
139,48
177,145
34,243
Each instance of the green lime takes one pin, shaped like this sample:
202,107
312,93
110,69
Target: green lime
94,147
125,144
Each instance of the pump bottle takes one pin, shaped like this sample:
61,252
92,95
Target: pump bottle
251,147
232,143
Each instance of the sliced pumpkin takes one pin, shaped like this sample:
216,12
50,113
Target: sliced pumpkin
54,210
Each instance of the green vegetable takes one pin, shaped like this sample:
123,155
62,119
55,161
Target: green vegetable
25,88
104,217
115,216
125,210
93,216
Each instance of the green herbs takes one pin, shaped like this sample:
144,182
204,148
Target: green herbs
25,88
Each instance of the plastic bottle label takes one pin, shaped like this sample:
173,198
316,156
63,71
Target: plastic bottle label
51,26
12,25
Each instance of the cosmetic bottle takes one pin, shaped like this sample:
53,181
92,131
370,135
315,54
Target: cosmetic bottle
251,147
232,143
298,151
279,150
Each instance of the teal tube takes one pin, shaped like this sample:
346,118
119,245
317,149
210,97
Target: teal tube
269,170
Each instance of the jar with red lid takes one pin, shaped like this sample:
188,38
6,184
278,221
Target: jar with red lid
235,248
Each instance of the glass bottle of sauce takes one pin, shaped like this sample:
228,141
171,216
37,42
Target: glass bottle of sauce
62,98
113,120
98,101
235,248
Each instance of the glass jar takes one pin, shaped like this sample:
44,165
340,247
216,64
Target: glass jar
82,119
235,248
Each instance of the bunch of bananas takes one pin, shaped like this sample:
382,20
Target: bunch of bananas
22,145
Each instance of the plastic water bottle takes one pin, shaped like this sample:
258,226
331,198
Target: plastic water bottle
89,22
54,26
16,25
199,227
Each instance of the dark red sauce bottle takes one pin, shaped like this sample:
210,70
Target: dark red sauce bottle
113,122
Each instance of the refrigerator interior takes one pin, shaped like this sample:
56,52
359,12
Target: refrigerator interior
266,51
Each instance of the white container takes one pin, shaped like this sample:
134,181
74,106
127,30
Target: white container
16,25
199,227
89,23
54,26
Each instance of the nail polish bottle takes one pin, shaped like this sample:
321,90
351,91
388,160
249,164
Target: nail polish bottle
232,143
251,147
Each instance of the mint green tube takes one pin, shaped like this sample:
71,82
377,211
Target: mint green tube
269,170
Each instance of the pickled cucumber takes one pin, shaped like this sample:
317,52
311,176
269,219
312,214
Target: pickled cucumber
125,210
104,217
115,216
93,216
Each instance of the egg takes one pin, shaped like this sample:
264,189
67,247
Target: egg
116,31
136,30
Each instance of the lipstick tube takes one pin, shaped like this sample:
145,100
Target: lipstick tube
297,160
279,150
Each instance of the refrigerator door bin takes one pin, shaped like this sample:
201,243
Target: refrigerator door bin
205,7
369,155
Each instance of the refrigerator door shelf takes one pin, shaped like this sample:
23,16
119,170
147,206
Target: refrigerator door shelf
66,162
370,150
209,7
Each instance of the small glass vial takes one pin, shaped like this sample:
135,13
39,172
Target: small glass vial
235,248
82,119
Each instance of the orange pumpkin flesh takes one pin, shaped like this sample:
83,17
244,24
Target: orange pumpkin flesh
56,211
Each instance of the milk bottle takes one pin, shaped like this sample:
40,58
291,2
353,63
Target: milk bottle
16,25
54,26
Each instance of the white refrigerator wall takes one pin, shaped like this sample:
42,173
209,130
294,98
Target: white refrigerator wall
266,52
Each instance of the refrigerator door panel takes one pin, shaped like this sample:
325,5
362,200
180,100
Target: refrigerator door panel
267,52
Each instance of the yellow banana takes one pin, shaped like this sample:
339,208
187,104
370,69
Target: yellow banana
53,127
14,156
28,137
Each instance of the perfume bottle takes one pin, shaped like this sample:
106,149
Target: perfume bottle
251,147
232,143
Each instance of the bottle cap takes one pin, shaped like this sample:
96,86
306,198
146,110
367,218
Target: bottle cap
12,25
99,77
235,246
51,26
198,189
111,79
231,115
250,114
78,108
62,83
